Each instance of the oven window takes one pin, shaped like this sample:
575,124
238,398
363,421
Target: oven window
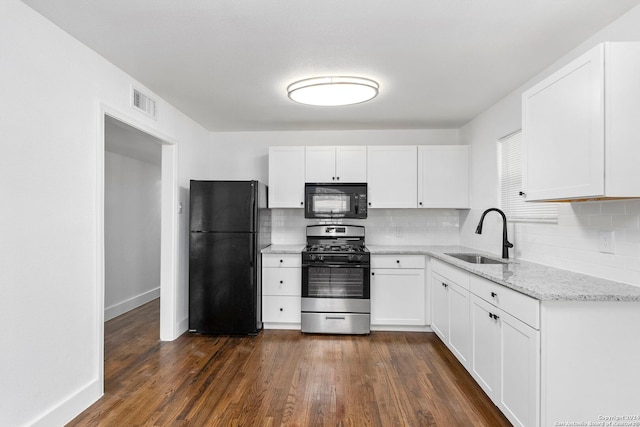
331,203
343,282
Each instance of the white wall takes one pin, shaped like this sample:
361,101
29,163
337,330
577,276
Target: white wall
51,88
132,233
572,243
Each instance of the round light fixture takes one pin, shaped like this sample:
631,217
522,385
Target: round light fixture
333,91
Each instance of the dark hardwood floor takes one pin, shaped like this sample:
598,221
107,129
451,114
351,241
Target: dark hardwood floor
281,378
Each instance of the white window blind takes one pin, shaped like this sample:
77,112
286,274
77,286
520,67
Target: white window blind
510,178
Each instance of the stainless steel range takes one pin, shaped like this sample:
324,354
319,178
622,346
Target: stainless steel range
335,281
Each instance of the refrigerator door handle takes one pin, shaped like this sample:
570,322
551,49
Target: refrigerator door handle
252,250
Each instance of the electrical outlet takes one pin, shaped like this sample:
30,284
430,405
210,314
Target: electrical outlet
606,242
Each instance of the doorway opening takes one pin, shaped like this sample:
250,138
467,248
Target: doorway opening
137,222
132,206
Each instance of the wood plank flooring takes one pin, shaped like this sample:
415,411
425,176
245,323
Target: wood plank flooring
281,378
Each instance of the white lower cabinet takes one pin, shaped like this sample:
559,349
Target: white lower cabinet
505,360
490,329
281,290
450,308
398,295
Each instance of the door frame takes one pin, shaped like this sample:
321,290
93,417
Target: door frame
169,228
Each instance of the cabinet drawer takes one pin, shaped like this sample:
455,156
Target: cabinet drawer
397,261
281,281
451,273
280,309
282,260
520,306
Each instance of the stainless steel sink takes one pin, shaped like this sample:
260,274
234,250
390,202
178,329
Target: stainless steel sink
476,258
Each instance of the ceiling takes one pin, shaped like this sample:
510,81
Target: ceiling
120,138
227,63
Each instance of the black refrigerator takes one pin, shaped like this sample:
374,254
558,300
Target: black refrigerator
229,225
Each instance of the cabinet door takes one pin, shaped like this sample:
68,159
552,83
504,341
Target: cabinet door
398,297
485,356
440,308
392,176
320,164
443,176
286,177
563,131
351,164
459,325
519,371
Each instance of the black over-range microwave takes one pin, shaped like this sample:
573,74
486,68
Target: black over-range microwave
345,200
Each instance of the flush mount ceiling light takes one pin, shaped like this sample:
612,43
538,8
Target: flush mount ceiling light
333,91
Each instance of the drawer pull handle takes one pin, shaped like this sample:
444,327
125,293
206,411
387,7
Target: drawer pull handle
494,316
445,285
493,295
334,318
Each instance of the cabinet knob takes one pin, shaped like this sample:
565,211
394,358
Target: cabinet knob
337,178
281,309
280,260
373,274
333,178
420,203
369,203
398,261
281,282
493,295
521,193
301,203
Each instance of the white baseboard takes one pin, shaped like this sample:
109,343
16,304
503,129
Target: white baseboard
131,303
400,328
70,407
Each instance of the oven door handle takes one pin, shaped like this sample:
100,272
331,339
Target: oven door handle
336,265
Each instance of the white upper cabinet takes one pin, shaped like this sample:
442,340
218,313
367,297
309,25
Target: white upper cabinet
336,164
286,177
580,128
443,176
392,176
351,163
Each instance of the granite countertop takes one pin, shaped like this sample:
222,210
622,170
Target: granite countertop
535,280
283,249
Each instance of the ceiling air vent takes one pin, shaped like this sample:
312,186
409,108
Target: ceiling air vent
142,102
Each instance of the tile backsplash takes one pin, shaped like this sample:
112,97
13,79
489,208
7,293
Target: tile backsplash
572,243
383,226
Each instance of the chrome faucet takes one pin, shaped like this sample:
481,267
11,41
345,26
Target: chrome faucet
505,243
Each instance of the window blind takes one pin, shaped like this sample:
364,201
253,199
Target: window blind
510,161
